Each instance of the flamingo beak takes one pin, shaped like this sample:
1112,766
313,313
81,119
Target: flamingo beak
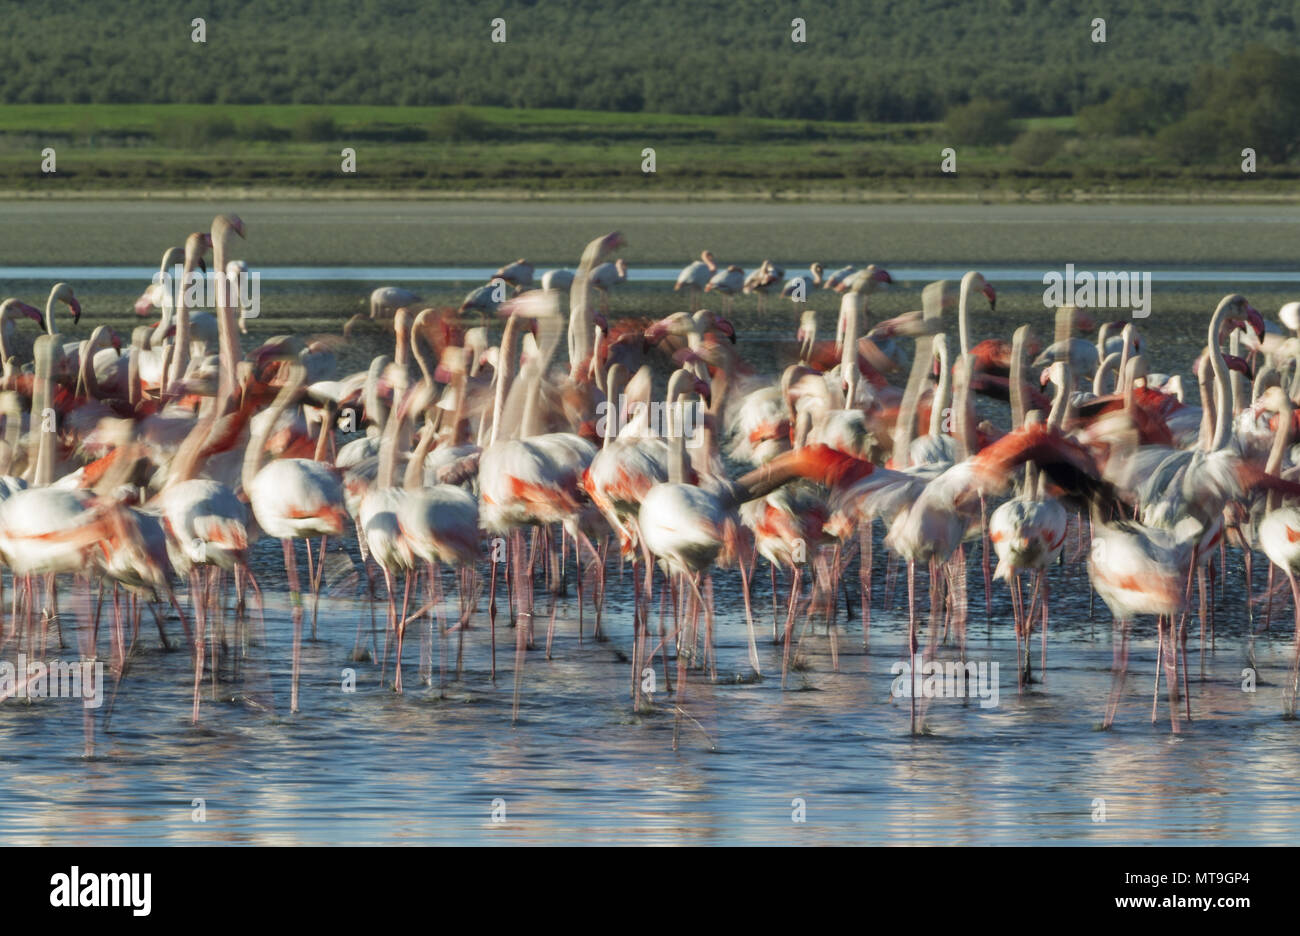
75,306
726,328
882,276
1238,364
600,320
992,295
1256,320
702,388
1045,377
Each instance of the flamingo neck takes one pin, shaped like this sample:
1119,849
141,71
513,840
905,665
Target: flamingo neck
1222,402
943,391
255,454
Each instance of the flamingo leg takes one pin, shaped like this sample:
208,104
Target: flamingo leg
1268,608
200,638
865,561
1120,668
492,614
749,621
1289,697
295,596
1160,657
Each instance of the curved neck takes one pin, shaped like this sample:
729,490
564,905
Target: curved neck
255,454
615,381
227,326
904,427
86,374
1016,386
1126,352
1222,404
51,328
1056,418
676,438
46,352
171,257
963,298
1281,440
1108,363
376,411
851,315
1103,335
396,435
181,349
6,329
422,357
944,390
580,317
504,376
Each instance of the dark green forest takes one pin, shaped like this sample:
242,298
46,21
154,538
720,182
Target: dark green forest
863,59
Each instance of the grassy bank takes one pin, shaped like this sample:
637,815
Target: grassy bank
431,150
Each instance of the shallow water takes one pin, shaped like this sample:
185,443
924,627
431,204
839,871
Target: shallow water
580,766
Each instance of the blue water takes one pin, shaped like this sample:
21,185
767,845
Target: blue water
580,767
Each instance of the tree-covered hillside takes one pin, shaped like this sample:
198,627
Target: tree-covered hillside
863,59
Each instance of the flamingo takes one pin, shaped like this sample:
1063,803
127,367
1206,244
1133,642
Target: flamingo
696,275
767,277
291,498
1279,531
605,277
798,288
516,275
728,282
1028,531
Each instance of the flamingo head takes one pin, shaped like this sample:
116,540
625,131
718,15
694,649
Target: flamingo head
31,312
984,286
702,388
1244,314
599,319
1241,365
613,241
63,293
675,324
115,341
725,327
1255,320
231,222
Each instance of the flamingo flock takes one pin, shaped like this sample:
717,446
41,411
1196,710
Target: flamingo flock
127,468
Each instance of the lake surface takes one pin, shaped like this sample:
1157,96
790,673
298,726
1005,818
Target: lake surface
580,766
